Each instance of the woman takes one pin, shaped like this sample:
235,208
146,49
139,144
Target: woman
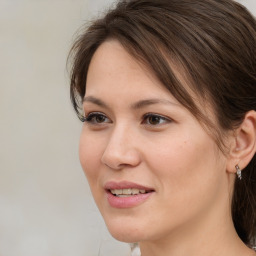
167,94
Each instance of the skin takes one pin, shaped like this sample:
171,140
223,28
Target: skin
189,211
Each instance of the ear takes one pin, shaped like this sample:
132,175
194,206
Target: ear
243,144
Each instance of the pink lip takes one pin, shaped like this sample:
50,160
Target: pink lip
126,202
125,184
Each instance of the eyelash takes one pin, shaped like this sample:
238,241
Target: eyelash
153,115
91,118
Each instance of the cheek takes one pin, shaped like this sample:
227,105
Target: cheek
186,155
90,152
186,168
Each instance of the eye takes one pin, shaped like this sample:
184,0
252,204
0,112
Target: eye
96,118
155,119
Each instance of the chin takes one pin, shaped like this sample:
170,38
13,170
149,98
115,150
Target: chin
125,231
124,236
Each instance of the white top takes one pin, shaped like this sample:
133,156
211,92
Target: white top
135,249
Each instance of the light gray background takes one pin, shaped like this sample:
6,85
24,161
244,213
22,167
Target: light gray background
45,204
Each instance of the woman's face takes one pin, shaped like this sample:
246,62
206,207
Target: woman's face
151,167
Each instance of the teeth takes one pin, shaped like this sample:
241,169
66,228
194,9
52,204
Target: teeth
117,191
127,191
135,191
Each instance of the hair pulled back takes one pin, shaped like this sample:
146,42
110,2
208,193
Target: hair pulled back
213,41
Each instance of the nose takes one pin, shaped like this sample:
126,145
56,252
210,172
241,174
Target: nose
121,150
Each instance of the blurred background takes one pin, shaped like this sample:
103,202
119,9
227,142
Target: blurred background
46,207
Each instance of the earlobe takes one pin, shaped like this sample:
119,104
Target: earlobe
243,147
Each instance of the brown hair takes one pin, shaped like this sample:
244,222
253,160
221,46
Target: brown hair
214,41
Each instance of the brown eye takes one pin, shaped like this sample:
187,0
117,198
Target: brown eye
96,118
100,118
154,119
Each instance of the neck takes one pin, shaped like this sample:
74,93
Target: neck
201,237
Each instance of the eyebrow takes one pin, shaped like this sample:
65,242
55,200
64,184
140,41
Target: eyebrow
148,102
95,101
137,105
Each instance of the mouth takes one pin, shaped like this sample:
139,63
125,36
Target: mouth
127,194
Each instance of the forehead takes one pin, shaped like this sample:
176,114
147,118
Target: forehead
112,69
113,65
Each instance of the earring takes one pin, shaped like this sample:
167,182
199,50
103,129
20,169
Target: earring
238,172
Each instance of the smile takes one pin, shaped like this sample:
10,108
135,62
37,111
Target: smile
126,194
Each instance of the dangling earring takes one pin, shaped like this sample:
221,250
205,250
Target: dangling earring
238,172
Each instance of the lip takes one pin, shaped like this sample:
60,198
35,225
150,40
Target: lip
130,201
124,185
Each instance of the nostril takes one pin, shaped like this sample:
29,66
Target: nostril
117,159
